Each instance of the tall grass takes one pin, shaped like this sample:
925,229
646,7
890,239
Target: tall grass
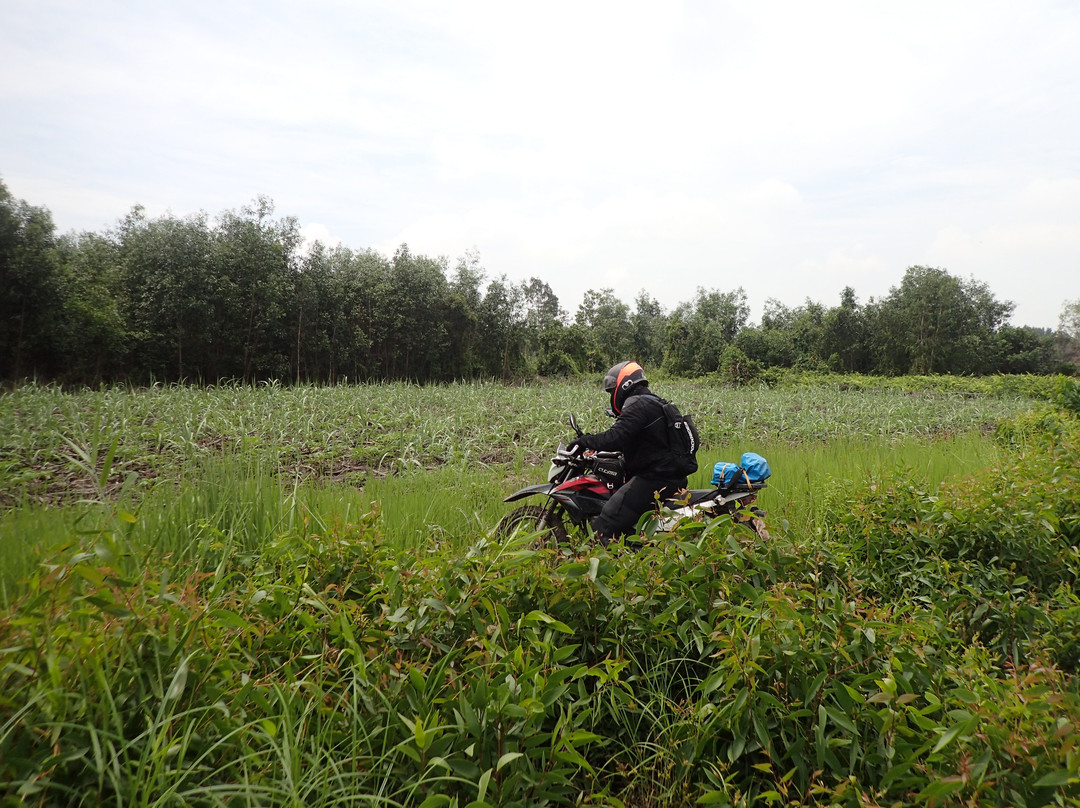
249,462
259,624
811,480
354,433
247,504
334,669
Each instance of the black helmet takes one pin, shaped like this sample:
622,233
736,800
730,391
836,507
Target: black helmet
620,380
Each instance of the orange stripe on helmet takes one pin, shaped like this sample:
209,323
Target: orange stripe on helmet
631,367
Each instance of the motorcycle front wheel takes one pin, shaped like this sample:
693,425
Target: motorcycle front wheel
535,519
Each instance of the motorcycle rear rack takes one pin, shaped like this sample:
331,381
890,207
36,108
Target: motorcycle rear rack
702,496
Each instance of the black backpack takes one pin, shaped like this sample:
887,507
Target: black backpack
683,439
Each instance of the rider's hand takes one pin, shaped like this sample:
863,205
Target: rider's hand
575,448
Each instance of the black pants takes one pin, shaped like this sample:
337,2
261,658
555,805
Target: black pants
621,513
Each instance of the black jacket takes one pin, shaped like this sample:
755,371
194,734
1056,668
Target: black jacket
640,433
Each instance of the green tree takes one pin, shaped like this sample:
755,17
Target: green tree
463,311
362,280
92,335
544,324
253,263
31,301
410,301
1068,333
699,331
769,347
770,344
844,335
736,367
1025,350
935,323
503,335
177,306
648,331
328,316
808,331
787,337
604,323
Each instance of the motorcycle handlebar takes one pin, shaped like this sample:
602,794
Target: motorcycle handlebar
583,456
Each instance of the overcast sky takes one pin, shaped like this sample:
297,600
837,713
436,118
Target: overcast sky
790,148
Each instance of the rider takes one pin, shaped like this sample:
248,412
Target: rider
640,433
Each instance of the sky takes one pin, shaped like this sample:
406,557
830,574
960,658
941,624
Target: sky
785,147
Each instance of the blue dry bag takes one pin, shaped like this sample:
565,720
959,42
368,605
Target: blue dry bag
756,467
751,469
724,473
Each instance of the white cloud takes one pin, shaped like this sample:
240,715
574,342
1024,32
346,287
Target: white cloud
668,243
83,208
315,232
1055,200
1028,250
847,265
787,147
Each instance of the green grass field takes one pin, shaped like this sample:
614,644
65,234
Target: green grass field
249,462
293,596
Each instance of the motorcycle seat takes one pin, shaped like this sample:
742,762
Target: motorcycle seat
700,495
697,495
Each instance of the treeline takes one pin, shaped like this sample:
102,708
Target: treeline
239,298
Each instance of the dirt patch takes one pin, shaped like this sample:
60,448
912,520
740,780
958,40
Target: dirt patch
59,481
333,469
55,483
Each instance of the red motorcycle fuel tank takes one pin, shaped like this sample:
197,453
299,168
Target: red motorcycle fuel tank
593,485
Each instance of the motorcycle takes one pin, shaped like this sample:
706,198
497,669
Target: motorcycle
580,483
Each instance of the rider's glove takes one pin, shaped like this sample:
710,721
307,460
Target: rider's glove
575,448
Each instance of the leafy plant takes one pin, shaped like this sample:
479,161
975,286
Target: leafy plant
914,644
